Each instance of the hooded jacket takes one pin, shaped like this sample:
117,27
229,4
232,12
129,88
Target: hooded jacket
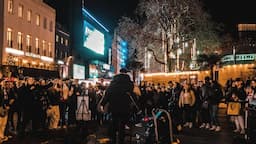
116,94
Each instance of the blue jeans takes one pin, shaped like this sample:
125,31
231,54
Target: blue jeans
213,115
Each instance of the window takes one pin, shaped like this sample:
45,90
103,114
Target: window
19,40
45,23
44,48
28,43
20,11
61,40
51,26
38,20
29,15
37,46
50,49
9,37
10,6
66,42
57,38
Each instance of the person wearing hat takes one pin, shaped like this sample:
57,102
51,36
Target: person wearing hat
119,103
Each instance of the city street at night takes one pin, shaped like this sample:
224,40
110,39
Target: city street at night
127,72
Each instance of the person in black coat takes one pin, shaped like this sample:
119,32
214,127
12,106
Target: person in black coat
27,96
119,103
41,103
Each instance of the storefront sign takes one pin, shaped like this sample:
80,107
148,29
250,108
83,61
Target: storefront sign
239,57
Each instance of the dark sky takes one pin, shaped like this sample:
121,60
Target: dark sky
228,12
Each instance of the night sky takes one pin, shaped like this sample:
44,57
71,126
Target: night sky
222,11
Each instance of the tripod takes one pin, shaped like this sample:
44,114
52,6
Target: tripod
83,112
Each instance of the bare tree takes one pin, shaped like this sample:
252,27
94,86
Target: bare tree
160,23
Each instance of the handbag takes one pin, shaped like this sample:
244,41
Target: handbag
233,108
3,112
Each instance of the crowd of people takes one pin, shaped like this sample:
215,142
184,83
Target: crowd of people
34,105
29,104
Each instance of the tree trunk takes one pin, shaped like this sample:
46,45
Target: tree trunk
211,71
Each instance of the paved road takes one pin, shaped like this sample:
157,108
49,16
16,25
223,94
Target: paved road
79,135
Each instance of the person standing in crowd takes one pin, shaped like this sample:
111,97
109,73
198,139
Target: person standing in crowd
174,90
149,101
92,101
119,103
187,101
63,103
27,97
42,103
6,102
206,92
238,119
53,109
72,103
196,108
214,101
13,112
239,95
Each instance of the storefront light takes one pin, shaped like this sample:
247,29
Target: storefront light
60,62
33,63
24,61
48,59
14,51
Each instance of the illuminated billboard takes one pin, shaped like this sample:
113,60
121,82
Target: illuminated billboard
78,71
93,39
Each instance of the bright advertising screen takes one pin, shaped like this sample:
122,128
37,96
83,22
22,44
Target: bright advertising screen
93,39
78,71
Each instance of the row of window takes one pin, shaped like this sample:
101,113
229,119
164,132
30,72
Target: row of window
46,49
61,39
10,9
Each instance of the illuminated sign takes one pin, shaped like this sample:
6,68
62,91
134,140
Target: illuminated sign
93,39
78,71
239,57
32,55
22,53
14,51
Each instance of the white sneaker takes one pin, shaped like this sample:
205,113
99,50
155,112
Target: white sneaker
236,130
212,128
207,126
186,124
138,125
242,131
202,126
218,128
190,125
126,127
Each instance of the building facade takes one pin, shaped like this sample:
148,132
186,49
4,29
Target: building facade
246,38
119,53
89,39
62,50
27,29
